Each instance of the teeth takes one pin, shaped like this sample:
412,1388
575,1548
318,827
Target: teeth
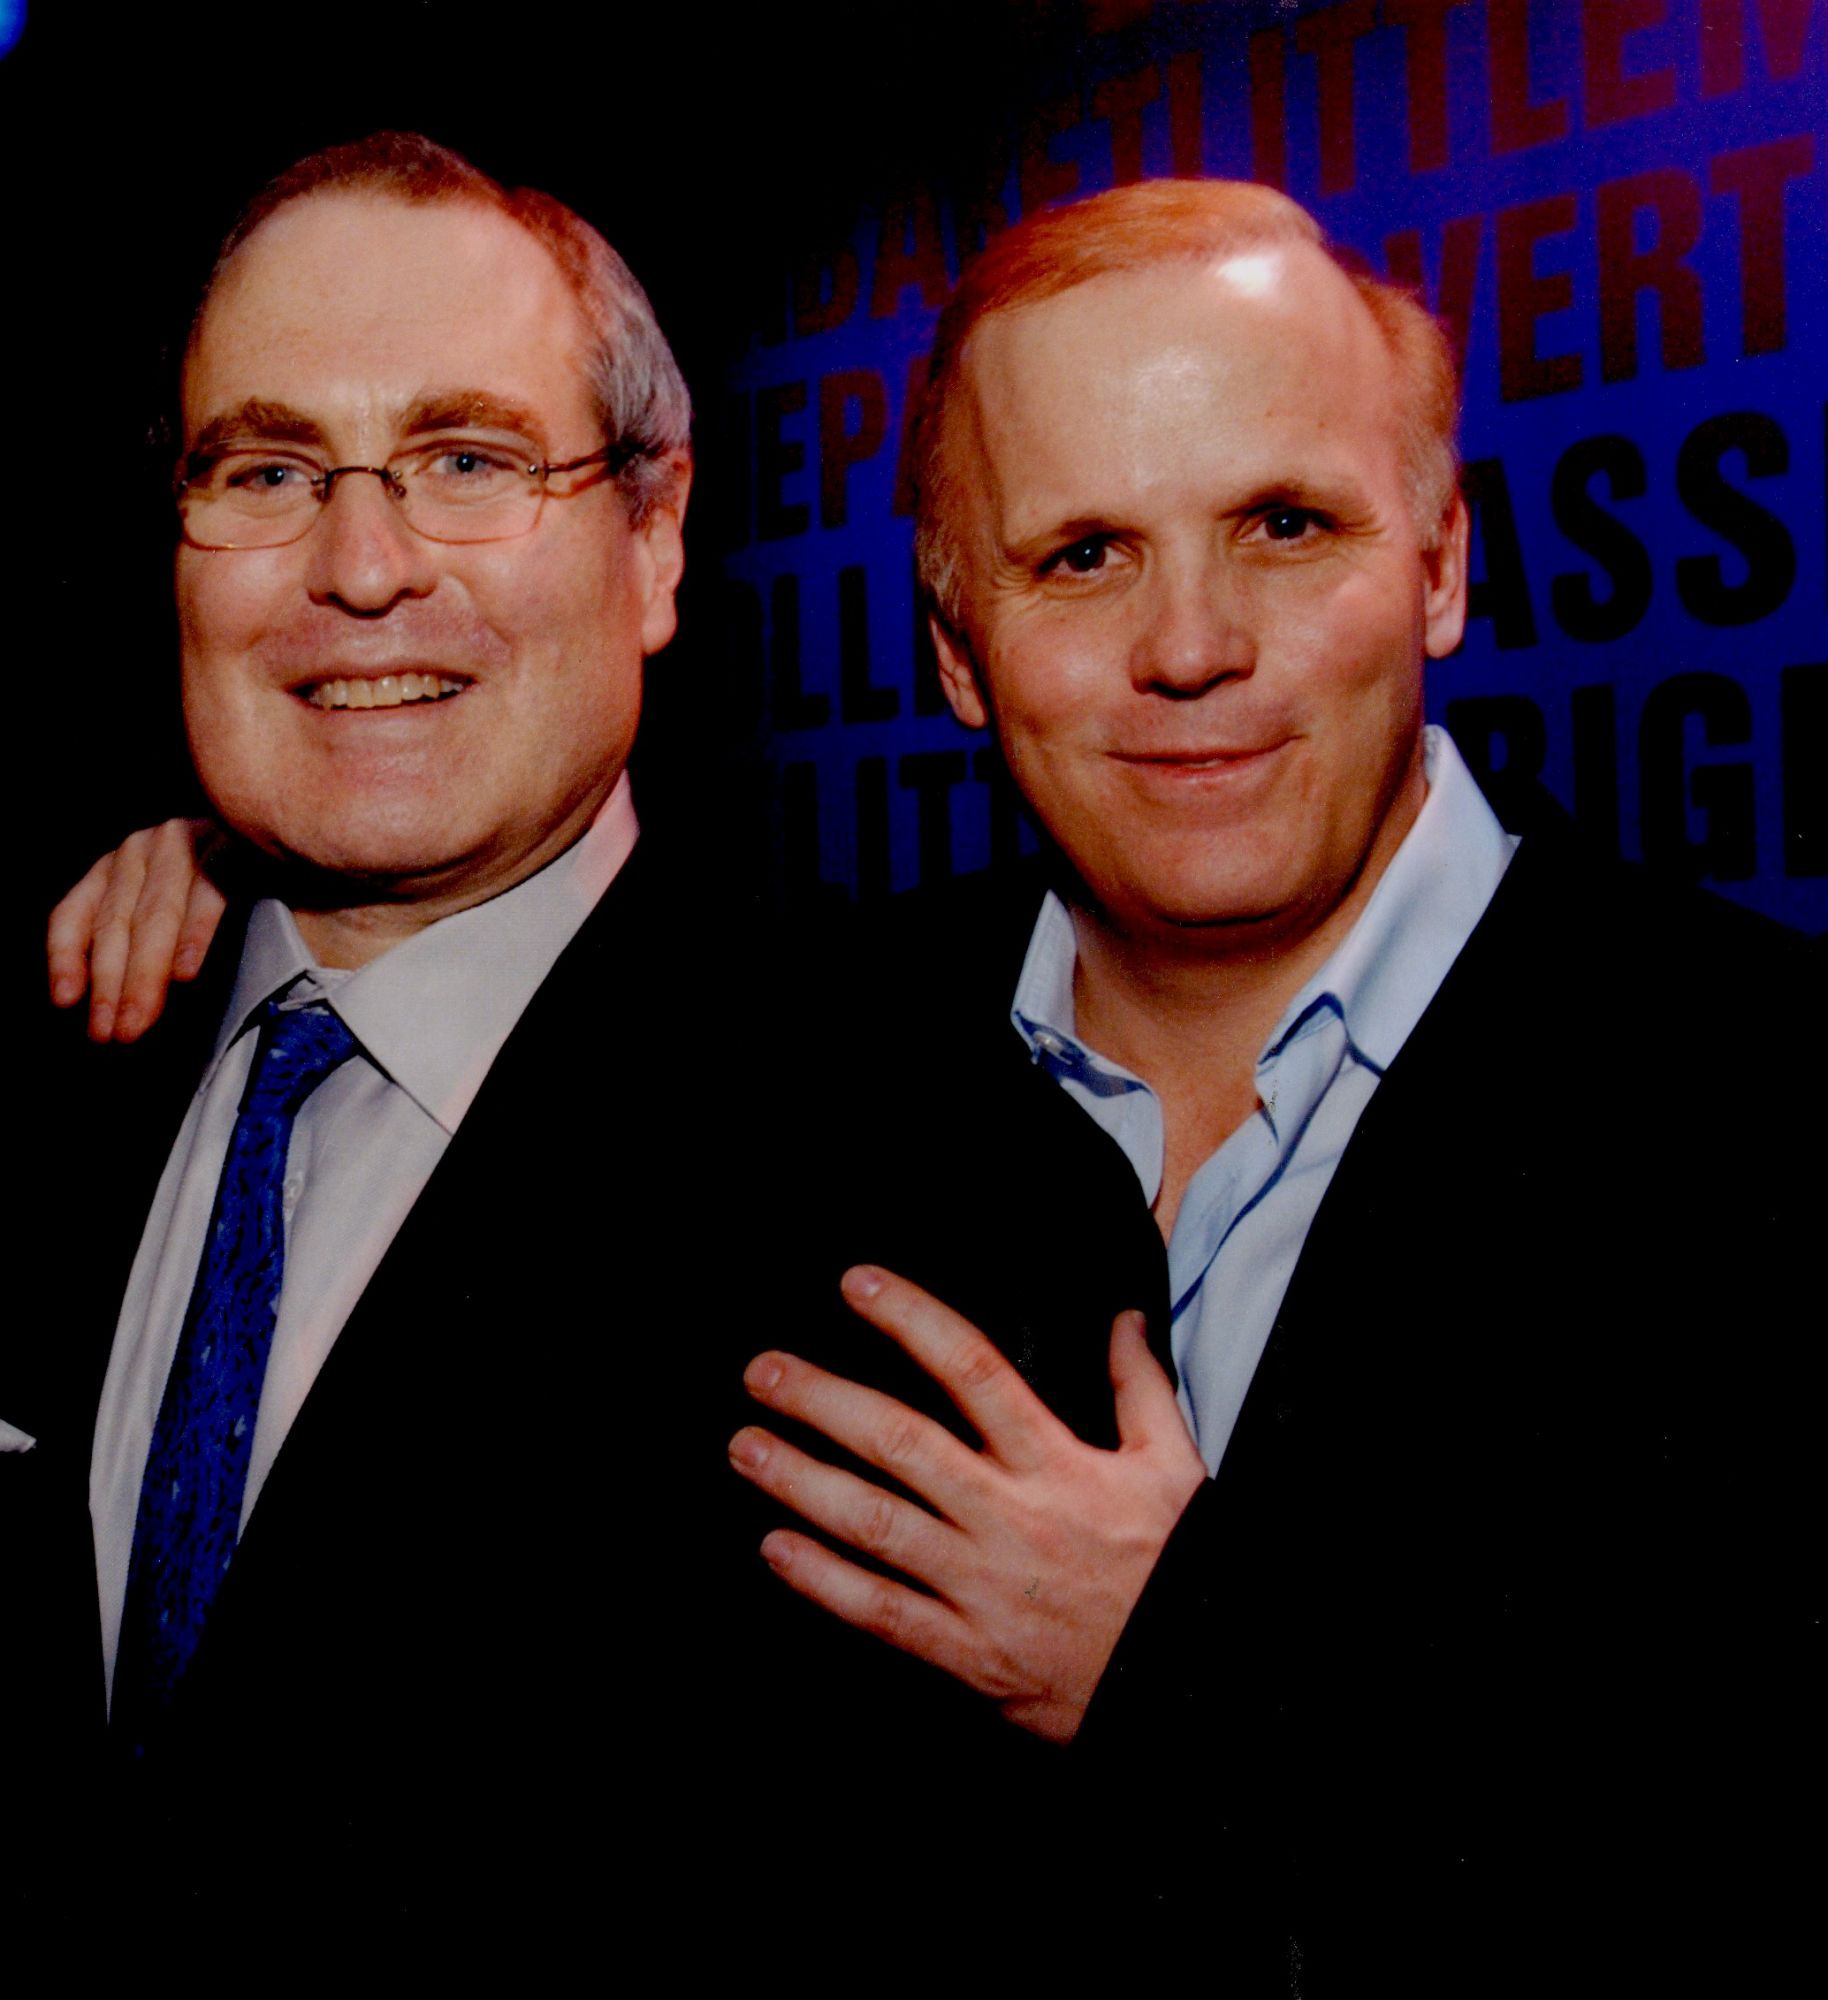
389,691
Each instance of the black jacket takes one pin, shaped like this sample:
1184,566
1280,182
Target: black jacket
498,1667
1491,1654
1488,1632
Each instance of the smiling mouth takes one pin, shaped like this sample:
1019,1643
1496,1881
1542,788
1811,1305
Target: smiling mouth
384,691
1195,760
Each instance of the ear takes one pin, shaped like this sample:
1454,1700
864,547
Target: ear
660,539
957,675
1444,601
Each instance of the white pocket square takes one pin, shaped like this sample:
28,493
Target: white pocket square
12,1438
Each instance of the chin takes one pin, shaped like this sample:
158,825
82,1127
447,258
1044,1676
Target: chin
365,847
1209,878
1228,908
1170,909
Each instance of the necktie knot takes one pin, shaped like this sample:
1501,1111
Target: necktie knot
298,1049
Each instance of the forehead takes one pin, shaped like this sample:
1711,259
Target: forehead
1190,378
349,306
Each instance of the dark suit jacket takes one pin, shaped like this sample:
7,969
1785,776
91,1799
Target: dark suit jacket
503,1662
497,1661
1486,1655
419,1688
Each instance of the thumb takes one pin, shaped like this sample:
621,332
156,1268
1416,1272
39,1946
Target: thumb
1146,1408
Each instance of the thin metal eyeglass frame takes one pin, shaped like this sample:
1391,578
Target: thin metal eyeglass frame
612,457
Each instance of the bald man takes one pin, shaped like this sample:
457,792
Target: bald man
1457,1617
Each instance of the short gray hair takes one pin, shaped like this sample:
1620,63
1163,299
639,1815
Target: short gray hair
641,397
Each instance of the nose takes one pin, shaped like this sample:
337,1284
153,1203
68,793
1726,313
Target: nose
363,557
1198,632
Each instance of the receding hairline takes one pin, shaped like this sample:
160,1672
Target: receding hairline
462,405
1126,228
1154,225
632,376
358,195
1216,264
1193,315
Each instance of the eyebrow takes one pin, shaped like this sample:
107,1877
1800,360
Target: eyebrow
436,410
469,409
1320,496
256,417
1055,535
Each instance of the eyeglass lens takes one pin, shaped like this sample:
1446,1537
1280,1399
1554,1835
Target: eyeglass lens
451,491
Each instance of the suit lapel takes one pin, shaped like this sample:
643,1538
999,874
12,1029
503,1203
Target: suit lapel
460,1335
1359,1263
1043,1235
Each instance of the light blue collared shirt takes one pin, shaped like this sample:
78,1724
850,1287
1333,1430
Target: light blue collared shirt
1247,1210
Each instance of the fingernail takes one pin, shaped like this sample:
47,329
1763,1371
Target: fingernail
66,990
101,1022
763,1373
127,1023
777,1553
748,1450
187,962
861,1281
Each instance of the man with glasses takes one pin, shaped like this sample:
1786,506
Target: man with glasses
1400,1649
403,1375
387,1217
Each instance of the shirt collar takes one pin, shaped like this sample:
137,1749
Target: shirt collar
1383,975
1424,908
434,1011
1043,1009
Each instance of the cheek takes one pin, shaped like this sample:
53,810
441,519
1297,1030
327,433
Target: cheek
574,600
1362,648
1048,680
212,617
229,608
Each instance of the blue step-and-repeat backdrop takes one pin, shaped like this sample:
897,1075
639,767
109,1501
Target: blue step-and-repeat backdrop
1619,207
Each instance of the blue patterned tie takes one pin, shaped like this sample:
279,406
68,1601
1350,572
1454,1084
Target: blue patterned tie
197,1469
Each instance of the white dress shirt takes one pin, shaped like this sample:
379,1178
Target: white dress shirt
430,1015
1247,1210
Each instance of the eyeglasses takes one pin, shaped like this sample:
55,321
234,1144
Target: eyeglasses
448,490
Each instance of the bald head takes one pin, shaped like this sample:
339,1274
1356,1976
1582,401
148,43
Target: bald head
1236,227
